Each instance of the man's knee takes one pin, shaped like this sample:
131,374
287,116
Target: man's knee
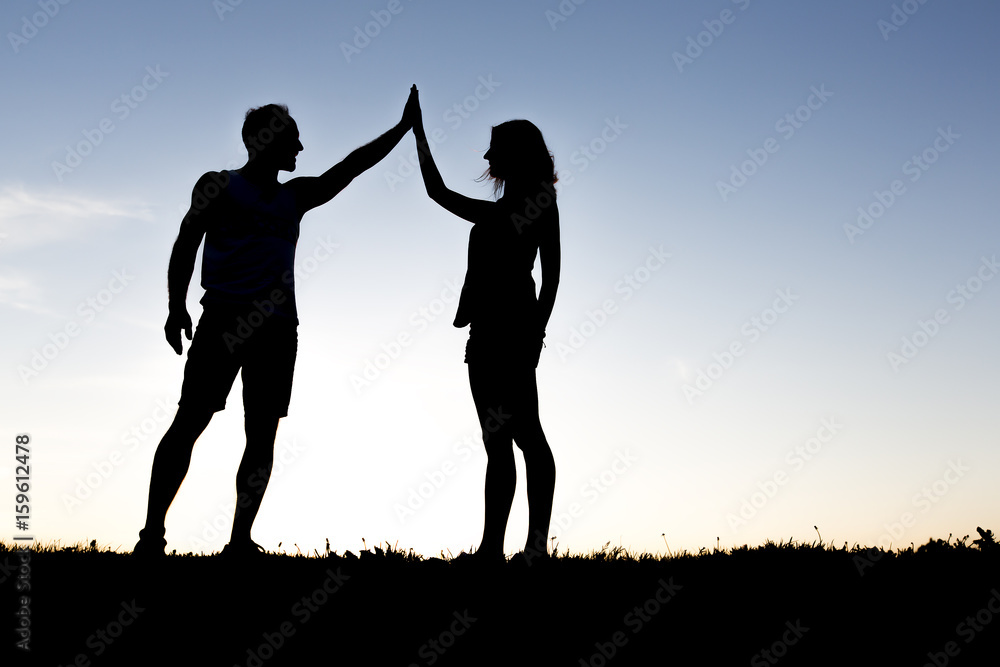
191,421
262,417
261,425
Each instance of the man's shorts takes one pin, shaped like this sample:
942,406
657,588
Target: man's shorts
228,339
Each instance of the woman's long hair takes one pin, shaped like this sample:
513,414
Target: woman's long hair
531,163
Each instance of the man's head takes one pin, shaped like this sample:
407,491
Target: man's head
270,134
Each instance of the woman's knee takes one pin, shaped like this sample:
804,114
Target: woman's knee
499,447
530,437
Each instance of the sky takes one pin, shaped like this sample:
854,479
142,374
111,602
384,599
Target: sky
777,311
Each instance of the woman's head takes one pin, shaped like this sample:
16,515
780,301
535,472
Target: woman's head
519,157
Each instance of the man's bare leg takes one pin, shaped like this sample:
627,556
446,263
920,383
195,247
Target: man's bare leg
170,466
253,474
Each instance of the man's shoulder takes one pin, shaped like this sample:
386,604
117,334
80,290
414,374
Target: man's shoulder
297,186
211,185
208,194
214,179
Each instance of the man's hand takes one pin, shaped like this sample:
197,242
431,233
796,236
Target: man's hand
177,319
311,192
411,112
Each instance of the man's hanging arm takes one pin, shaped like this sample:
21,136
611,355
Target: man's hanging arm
182,259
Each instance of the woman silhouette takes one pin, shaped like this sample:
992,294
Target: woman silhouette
507,319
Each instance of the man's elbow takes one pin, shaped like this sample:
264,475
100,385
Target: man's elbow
186,248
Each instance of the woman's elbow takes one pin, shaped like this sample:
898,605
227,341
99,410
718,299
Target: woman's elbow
434,190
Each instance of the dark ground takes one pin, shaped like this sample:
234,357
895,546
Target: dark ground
803,604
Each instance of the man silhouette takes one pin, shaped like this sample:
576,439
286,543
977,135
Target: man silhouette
250,224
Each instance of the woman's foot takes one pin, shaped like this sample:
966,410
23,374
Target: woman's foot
150,545
536,545
481,558
529,557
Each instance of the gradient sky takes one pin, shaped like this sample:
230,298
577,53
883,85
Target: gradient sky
726,359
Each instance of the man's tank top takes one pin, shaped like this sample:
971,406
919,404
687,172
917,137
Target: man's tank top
249,250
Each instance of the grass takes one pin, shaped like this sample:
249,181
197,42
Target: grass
986,542
387,605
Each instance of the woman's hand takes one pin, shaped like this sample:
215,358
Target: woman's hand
411,112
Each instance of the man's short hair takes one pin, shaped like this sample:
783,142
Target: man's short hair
261,123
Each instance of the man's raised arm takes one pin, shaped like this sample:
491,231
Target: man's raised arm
317,190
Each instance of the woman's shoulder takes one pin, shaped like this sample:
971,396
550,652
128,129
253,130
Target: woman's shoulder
525,209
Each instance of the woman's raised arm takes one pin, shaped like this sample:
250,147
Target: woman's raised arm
467,208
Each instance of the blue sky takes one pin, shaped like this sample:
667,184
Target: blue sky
726,358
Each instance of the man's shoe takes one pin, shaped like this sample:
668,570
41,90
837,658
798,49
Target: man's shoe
243,551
